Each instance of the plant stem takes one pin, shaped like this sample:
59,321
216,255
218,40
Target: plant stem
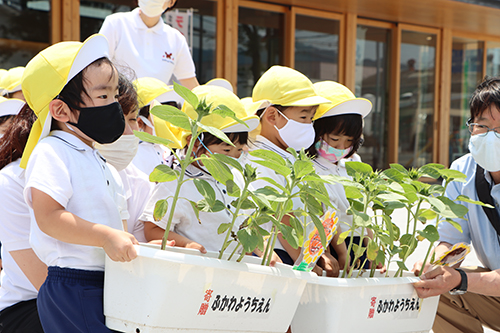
234,251
184,164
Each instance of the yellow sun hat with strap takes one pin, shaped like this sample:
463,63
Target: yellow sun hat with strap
343,101
46,75
11,80
285,86
215,96
153,92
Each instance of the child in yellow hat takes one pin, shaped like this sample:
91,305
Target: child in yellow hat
287,103
338,135
186,230
10,82
77,199
9,108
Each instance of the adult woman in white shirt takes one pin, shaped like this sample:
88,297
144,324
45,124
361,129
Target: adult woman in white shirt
142,41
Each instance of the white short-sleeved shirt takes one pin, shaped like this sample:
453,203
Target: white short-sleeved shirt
150,155
159,52
336,192
137,192
14,235
476,227
79,179
261,142
185,222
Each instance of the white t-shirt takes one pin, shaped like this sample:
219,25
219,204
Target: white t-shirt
184,221
14,235
79,179
150,155
137,192
159,52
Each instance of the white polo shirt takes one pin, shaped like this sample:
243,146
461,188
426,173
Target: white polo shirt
137,192
149,155
184,221
159,52
14,235
79,179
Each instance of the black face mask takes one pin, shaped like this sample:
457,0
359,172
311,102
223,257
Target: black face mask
103,124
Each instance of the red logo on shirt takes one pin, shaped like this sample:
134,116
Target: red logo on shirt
167,56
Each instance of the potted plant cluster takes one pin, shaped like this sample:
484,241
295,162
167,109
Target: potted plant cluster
169,289
383,302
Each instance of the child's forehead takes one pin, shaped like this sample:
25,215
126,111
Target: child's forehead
99,77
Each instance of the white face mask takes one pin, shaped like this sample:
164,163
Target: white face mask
296,135
486,151
121,152
152,8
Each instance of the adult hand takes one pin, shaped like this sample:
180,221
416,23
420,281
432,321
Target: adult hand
437,281
329,264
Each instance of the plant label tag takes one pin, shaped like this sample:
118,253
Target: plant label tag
394,307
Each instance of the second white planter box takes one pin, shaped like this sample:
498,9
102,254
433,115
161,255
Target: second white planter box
379,304
174,291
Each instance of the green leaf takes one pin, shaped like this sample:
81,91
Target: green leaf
217,169
195,209
343,236
408,245
298,227
372,250
402,265
163,173
431,170
216,132
430,233
143,136
358,167
352,192
453,175
361,219
303,168
228,160
186,94
268,156
426,214
160,210
276,167
391,197
247,204
205,206
172,115
249,239
474,202
290,235
399,168
223,227
205,190
393,175
224,112
452,209
321,229
312,205
274,183
455,224
232,189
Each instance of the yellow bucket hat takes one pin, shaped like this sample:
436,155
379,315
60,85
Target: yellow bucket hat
343,101
2,73
285,86
11,80
214,96
46,75
149,88
10,106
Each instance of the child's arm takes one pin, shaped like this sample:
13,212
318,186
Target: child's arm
34,269
293,253
340,250
58,223
154,232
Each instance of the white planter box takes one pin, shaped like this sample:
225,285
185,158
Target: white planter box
363,305
182,290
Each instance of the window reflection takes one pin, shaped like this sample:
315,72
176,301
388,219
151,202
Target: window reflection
260,46
317,47
493,59
466,73
416,100
372,66
24,31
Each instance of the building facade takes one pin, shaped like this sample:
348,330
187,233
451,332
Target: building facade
417,61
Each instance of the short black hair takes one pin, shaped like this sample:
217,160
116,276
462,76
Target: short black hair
345,124
235,137
486,94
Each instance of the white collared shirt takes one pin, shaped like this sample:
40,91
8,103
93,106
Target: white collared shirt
159,52
476,227
14,235
185,222
79,179
149,155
